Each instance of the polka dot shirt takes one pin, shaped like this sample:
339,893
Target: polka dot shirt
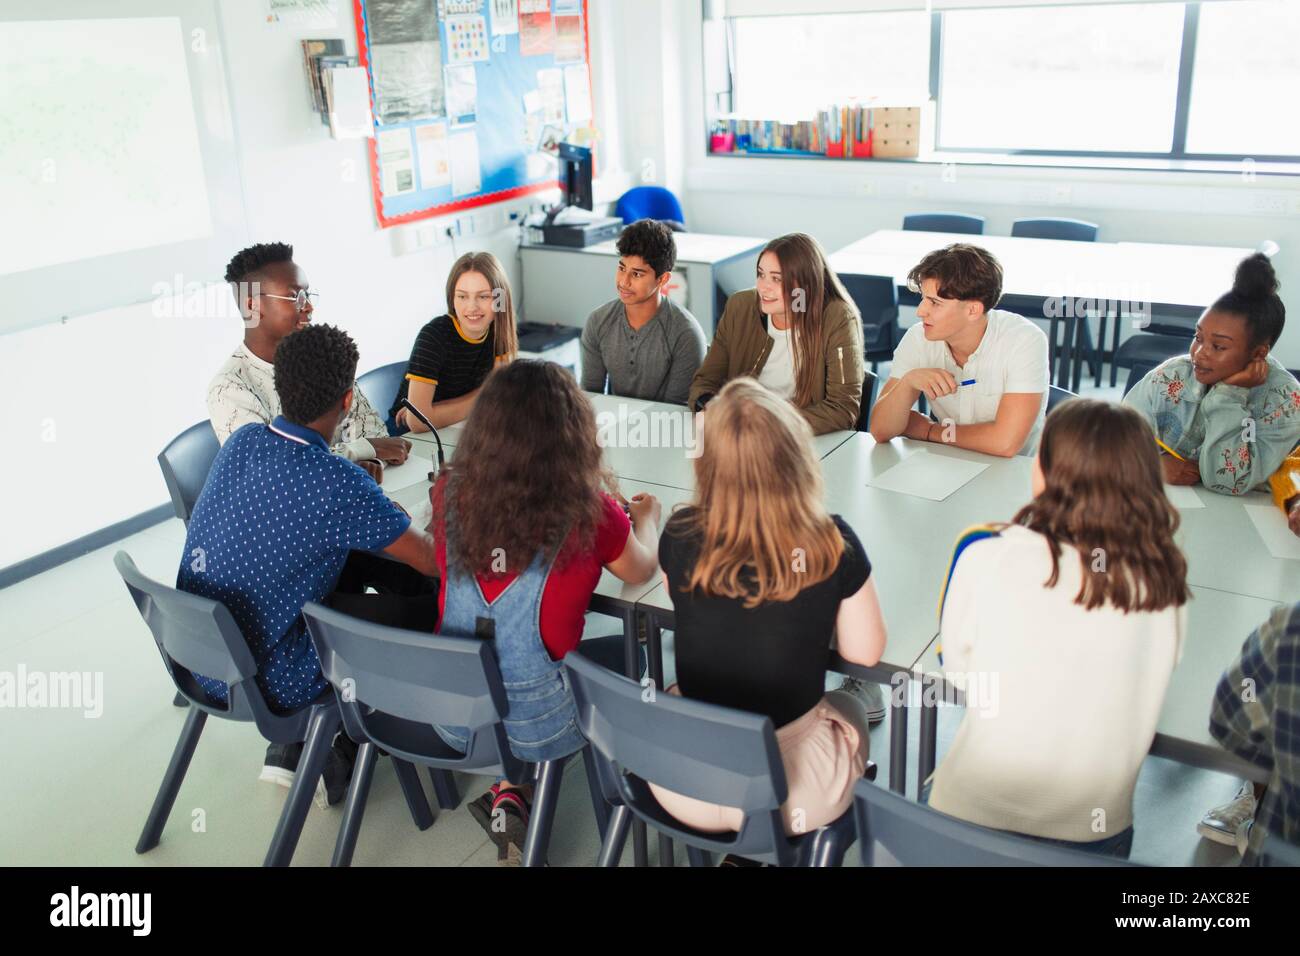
271,531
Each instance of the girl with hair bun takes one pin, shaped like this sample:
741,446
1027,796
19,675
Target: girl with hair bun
1227,413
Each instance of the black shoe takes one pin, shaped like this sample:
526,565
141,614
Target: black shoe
332,786
481,809
281,764
509,826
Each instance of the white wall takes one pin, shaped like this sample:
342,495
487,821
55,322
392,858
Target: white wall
90,403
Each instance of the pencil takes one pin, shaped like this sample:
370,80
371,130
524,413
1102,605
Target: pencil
1170,450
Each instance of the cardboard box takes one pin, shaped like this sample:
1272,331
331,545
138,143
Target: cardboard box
896,132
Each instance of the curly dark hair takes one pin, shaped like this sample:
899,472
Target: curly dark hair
1104,494
653,241
965,272
1254,297
248,262
313,368
528,475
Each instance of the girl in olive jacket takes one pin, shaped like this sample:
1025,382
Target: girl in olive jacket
797,332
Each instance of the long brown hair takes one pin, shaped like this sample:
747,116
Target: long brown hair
505,341
528,473
1104,494
804,269
764,531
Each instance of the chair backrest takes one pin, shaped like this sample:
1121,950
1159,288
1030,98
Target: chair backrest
1056,395
877,300
394,685
185,464
870,384
916,835
197,635
1278,852
650,202
715,754
1136,373
944,222
1075,230
381,386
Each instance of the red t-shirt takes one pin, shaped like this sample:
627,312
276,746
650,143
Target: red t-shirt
568,589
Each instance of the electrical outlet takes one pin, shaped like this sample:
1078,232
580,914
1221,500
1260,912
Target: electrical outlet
1062,194
915,189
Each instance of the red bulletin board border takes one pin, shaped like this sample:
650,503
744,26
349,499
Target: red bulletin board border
471,202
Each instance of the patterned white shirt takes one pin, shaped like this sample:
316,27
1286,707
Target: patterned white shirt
243,391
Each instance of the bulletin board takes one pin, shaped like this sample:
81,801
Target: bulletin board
461,108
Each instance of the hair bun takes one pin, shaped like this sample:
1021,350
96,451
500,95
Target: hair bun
1255,277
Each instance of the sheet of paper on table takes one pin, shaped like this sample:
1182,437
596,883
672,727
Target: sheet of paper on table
924,474
1273,528
415,468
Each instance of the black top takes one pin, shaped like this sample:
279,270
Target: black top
443,357
769,660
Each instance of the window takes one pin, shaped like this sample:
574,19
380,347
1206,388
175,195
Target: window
789,67
1100,79
1246,80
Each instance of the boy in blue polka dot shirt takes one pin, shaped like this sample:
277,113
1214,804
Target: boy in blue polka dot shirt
281,518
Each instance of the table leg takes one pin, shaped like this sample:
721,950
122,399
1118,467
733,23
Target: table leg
655,665
929,730
1101,346
632,667
898,735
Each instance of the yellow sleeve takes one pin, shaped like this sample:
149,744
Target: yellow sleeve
1285,482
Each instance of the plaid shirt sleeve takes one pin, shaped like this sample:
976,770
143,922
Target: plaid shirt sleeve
1256,715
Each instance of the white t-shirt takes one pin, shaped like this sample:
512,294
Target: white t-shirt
1012,357
777,373
1065,700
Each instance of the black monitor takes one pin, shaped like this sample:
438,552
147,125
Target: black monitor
575,178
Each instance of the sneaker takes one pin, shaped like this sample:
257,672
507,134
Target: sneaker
509,826
870,694
1222,823
481,809
1243,835
332,786
281,764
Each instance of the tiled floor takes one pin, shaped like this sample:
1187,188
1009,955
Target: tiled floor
77,788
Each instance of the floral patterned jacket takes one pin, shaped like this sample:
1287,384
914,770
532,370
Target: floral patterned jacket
1238,436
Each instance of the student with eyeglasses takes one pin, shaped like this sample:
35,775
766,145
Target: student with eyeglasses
275,300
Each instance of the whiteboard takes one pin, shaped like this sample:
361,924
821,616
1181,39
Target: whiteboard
120,171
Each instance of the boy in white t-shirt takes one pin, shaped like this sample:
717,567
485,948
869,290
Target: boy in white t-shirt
983,370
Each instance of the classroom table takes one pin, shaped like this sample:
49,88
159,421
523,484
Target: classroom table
563,285
1167,278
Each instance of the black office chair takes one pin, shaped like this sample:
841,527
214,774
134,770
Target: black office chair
1137,373
870,384
1146,349
1056,395
877,300
381,386
185,464
944,222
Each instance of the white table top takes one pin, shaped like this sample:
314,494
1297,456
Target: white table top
1158,273
699,248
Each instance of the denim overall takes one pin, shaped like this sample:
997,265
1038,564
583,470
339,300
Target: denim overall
542,719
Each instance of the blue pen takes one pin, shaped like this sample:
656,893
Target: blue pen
969,381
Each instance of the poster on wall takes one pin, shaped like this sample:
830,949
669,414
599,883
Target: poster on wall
405,60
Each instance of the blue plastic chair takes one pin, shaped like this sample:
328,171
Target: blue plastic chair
185,464
877,300
199,635
1147,349
1056,395
1075,230
870,385
394,685
711,753
944,222
916,835
651,202
381,386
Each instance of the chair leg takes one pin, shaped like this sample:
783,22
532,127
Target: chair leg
414,793
355,807
538,838
698,857
666,850
179,700
598,804
444,788
171,783
827,849
323,726
611,848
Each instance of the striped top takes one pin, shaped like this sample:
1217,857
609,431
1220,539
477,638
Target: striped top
447,359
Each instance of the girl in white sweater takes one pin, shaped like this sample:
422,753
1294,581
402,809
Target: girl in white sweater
1064,626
